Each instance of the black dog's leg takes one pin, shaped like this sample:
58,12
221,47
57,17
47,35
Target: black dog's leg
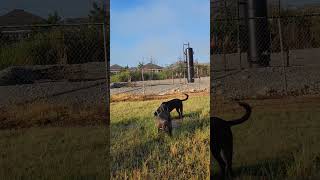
221,163
228,157
181,112
170,129
178,111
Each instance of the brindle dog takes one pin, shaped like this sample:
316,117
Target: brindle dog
163,122
221,140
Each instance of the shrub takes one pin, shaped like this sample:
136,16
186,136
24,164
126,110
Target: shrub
123,76
55,46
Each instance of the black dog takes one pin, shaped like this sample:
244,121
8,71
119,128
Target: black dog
170,105
163,122
221,140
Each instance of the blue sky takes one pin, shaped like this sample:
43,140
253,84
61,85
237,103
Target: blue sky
158,28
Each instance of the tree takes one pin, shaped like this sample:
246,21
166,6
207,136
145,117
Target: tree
98,12
140,64
53,18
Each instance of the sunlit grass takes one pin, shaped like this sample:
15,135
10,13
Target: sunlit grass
138,151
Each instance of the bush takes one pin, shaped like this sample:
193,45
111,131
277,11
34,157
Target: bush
41,49
55,46
124,76
120,77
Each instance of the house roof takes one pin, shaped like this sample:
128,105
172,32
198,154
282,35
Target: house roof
20,17
116,67
152,66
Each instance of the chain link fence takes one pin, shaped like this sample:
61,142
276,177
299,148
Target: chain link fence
51,44
57,65
151,79
54,95
267,55
272,55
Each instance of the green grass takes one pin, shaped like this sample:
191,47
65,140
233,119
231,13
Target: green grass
53,142
138,152
280,141
54,153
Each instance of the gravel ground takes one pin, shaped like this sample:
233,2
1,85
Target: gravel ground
89,92
302,75
249,82
300,80
163,86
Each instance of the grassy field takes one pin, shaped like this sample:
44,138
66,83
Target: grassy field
138,152
280,140
47,141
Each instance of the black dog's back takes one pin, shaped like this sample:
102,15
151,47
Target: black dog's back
172,104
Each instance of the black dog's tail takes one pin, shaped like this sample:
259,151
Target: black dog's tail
244,117
185,98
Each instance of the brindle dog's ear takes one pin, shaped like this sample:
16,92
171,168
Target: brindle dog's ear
162,108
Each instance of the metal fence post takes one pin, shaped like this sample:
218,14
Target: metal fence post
143,86
282,57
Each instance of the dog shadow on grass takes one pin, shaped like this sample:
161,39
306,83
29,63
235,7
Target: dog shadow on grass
185,115
133,157
190,123
269,169
264,169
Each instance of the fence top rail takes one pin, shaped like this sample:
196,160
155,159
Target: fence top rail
52,25
268,17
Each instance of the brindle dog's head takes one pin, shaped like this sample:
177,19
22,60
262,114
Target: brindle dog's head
163,122
160,109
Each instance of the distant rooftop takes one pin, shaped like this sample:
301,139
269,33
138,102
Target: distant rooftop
20,17
116,67
152,66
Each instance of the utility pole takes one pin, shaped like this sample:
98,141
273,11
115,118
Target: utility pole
106,34
185,61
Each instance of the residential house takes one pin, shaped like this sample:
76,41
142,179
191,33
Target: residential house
152,68
116,68
13,24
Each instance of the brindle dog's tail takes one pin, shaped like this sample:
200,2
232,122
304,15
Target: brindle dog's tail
243,118
185,98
